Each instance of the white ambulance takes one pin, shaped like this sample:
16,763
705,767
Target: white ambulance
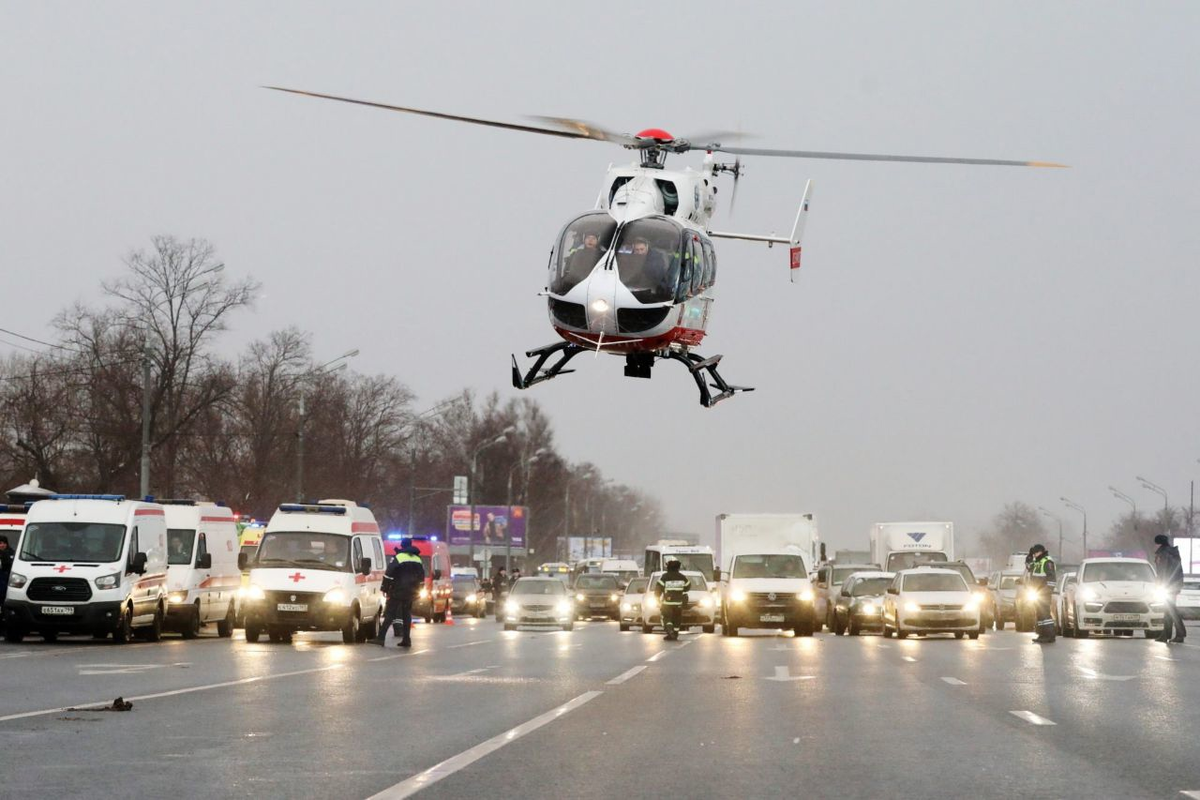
94,564
202,566
318,567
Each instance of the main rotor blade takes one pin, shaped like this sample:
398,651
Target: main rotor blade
758,151
589,130
491,123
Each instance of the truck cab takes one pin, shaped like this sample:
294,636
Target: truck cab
91,564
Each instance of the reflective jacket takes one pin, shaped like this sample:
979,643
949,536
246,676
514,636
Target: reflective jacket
1042,572
672,588
405,574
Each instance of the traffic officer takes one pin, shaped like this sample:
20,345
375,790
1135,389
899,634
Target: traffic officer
671,591
404,578
1041,576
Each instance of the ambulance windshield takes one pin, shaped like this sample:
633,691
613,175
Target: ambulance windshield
179,545
305,549
72,541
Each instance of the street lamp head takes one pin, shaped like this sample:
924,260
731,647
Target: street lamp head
349,354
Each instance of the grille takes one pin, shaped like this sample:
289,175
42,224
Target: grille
1126,607
763,600
632,320
923,622
941,607
46,590
568,313
537,609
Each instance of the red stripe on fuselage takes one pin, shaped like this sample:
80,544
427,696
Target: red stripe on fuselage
632,344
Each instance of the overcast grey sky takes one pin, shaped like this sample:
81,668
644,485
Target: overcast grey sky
961,337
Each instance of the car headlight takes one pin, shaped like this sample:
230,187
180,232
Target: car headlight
103,582
626,607
706,602
971,606
1087,594
650,602
564,607
911,607
512,606
1159,595
806,596
737,596
176,598
612,597
867,608
980,597
255,593
580,598
16,580
336,596
423,594
1031,595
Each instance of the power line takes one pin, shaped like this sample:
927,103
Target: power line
35,341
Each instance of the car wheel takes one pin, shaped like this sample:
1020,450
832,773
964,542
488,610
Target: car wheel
960,634
350,633
901,634
1082,634
854,630
191,625
709,628
647,628
623,626
252,632
13,634
999,624
973,635
124,630
154,632
887,632
225,626
508,626
1149,634
49,636
805,626
570,626
370,629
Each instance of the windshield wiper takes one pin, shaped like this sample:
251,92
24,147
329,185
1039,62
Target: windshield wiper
318,563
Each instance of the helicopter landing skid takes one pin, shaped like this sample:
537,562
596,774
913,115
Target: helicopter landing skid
698,365
536,373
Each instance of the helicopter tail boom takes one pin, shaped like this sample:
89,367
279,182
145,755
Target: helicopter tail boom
793,242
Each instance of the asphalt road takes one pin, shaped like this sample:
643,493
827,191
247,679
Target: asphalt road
473,711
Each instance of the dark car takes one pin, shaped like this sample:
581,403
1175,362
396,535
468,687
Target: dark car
467,597
859,603
1002,593
597,594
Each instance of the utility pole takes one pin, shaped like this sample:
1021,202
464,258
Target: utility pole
1083,511
300,452
145,481
1057,519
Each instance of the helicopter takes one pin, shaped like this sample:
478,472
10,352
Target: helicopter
634,276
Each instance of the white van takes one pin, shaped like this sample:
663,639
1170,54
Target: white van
319,567
625,570
93,564
202,566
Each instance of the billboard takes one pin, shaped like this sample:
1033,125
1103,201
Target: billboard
493,526
581,547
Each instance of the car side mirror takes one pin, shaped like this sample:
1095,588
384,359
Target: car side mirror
717,574
204,561
243,561
138,567
364,565
893,590
437,574
1020,581
844,593
982,582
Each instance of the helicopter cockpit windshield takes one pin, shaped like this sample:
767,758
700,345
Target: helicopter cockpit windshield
584,242
648,258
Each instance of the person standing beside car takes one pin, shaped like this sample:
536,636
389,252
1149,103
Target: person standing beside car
6,562
1169,567
1042,575
404,578
672,592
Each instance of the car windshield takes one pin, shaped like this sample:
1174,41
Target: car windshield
1117,571
608,582
648,258
899,561
179,545
465,583
637,586
961,569
769,566
694,562
305,549
841,573
536,586
72,541
934,582
1008,582
868,587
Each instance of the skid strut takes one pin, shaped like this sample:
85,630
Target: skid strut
698,365
536,373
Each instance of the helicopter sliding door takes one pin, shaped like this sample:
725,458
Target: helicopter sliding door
649,254
584,243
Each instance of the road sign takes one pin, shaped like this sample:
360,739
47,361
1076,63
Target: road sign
460,490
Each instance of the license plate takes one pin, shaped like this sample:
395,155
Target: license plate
771,618
598,604
292,607
1127,617
61,611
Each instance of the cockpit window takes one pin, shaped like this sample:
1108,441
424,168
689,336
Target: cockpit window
648,258
584,242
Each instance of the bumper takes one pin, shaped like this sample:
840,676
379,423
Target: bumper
868,621
86,617
523,618
746,615
322,617
691,616
587,609
464,608
934,622
1101,621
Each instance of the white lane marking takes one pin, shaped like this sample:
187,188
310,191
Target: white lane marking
685,643
908,658
1194,793
117,669
174,692
783,674
445,769
1031,718
1091,674
399,655
626,675
471,672
52,652
658,655
954,682
1166,658
469,644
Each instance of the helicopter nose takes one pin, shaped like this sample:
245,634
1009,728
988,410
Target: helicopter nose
601,302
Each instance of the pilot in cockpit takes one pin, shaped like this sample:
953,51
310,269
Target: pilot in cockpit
582,259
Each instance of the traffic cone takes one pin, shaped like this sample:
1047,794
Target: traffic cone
449,612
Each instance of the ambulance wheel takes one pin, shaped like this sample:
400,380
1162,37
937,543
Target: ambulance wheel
252,632
973,635
709,628
959,634
1082,634
154,632
191,625
49,636
351,632
124,630
623,626
371,629
225,626
901,634
13,634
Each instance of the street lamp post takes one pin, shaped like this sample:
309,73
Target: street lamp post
495,440
1081,510
1132,503
1057,519
323,369
1154,487
524,464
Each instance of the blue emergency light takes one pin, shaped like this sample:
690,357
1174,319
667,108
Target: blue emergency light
315,508
117,498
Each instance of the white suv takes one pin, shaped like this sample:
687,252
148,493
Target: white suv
1114,595
928,600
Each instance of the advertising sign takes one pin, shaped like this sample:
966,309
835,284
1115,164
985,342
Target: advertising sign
581,547
493,526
